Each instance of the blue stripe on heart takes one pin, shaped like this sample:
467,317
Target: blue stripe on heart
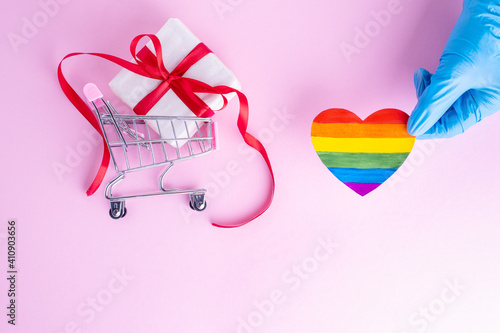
362,175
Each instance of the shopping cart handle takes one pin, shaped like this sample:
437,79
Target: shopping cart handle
92,93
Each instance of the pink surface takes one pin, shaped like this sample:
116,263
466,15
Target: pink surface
420,253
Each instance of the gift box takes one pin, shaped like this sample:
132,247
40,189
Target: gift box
177,42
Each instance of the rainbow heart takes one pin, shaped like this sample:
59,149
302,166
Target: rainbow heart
362,154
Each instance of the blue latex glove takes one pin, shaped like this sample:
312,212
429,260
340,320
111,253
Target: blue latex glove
466,86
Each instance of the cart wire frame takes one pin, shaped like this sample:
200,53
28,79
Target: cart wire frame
150,151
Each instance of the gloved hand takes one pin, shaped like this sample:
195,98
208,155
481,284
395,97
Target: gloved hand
466,86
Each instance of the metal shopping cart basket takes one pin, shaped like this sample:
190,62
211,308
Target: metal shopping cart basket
141,142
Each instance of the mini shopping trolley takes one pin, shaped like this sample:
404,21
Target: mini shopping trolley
141,142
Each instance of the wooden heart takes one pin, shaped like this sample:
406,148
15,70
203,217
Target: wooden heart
362,154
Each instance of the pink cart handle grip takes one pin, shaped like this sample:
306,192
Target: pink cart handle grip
93,94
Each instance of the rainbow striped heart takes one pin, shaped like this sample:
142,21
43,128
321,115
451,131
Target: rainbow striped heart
362,154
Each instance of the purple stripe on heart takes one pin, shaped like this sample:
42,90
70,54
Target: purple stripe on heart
363,188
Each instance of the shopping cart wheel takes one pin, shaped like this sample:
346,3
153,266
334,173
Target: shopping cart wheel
117,210
198,202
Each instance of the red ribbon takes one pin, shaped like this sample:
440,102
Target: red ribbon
152,66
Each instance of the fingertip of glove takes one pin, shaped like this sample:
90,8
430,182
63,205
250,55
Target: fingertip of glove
413,129
416,121
421,73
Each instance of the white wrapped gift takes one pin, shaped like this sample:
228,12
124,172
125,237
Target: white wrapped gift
177,42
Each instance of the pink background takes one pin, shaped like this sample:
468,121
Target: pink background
397,250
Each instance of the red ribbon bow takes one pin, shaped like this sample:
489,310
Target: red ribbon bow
152,66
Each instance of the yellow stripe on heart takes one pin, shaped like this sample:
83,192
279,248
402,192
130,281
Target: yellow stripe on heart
343,130
363,145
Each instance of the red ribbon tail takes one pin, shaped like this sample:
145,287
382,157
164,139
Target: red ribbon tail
101,172
255,144
75,99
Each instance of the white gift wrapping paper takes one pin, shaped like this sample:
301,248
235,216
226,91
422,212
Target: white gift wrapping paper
177,42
